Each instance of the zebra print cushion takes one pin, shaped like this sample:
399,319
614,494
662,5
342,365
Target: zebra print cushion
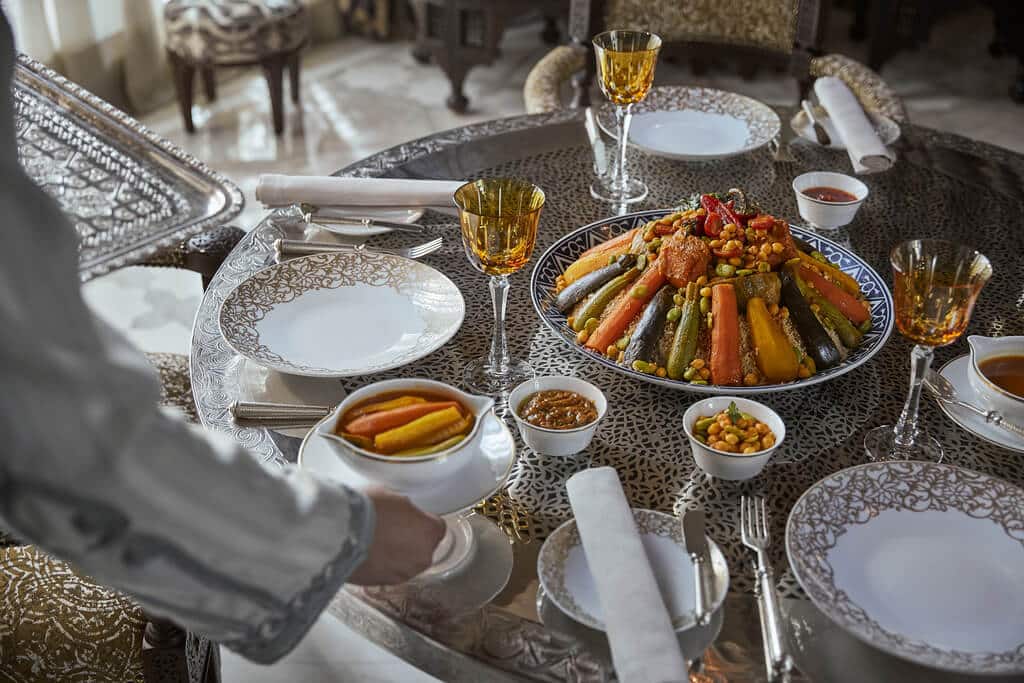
234,31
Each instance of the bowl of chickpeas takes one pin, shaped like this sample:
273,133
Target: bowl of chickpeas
731,437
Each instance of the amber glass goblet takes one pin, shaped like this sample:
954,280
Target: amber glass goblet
935,285
499,219
625,70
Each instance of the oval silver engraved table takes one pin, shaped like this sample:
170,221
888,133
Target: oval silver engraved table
942,185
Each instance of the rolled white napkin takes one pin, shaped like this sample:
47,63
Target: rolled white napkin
284,190
643,643
866,150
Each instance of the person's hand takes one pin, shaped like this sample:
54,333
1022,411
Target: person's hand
404,540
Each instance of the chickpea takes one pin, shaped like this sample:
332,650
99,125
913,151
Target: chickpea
783,312
705,291
697,363
732,438
716,244
661,372
735,261
761,428
747,450
767,441
714,428
705,373
582,336
777,247
612,351
803,372
750,379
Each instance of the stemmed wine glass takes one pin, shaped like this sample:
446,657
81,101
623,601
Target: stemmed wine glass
499,218
935,285
625,69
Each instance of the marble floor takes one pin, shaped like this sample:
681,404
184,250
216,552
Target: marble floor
360,96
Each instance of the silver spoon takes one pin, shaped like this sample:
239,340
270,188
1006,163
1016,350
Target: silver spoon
943,390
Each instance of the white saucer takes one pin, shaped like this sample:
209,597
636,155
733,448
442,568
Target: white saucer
381,213
956,372
887,129
567,582
495,452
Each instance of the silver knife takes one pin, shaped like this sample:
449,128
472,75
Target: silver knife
697,547
314,214
819,130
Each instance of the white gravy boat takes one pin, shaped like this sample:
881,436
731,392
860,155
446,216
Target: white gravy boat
992,395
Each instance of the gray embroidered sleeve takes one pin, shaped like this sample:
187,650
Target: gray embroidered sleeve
92,471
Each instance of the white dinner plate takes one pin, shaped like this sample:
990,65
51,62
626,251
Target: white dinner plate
566,579
493,453
921,560
696,124
378,213
956,372
341,314
887,129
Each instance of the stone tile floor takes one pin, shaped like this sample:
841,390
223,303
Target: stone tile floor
359,97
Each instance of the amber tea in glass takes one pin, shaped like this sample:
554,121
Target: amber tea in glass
935,285
499,219
625,70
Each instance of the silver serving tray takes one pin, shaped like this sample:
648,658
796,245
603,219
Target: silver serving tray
128,192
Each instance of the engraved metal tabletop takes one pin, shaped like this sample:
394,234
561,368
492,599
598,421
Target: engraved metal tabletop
129,192
943,185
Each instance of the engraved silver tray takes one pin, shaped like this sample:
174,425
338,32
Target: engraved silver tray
129,192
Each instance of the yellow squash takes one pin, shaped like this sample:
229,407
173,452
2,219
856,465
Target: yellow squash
417,433
775,356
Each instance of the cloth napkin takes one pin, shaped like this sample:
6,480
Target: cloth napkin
643,643
284,190
866,150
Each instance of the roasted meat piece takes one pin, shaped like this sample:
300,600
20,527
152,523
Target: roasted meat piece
684,258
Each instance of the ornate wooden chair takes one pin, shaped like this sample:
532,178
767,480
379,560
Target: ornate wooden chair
780,34
205,34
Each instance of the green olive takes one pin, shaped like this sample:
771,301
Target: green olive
725,270
639,292
705,305
689,373
678,299
702,425
674,314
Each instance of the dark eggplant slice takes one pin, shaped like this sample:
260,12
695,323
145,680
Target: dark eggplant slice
803,245
577,291
649,328
818,343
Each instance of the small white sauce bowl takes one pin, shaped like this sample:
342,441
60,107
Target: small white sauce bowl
824,214
406,473
732,466
993,396
557,442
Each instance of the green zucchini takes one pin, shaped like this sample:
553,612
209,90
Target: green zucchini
818,343
597,303
650,327
684,343
578,290
829,315
764,285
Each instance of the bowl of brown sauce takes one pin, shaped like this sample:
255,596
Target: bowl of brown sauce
557,416
828,200
997,373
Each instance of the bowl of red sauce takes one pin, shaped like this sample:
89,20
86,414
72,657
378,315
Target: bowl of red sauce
828,200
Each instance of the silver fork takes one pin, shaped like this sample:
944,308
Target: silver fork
754,530
286,247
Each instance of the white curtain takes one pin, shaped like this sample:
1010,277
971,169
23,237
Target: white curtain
115,48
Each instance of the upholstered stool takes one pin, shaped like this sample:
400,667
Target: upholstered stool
57,625
205,34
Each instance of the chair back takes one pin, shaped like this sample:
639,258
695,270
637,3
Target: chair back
781,33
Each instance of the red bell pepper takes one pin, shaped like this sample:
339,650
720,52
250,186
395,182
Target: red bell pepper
762,222
713,225
728,215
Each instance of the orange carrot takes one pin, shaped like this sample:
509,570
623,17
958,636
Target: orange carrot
725,363
626,308
374,423
614,243
850,306
378,406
